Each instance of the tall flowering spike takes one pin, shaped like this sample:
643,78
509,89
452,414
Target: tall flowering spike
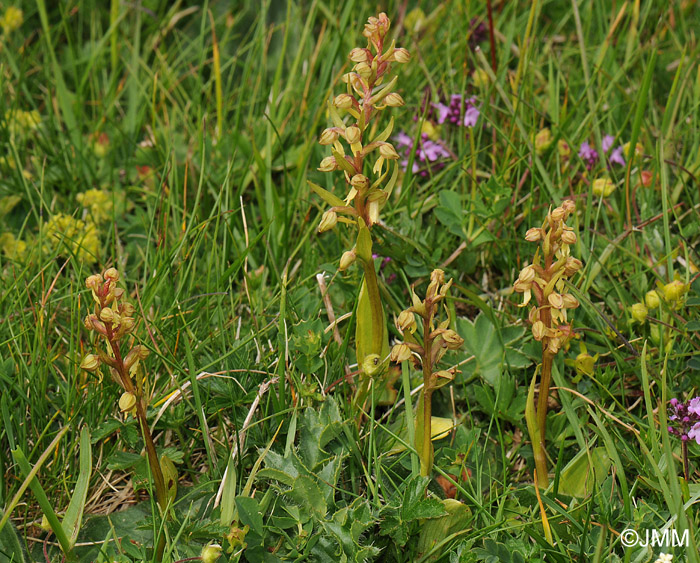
370,90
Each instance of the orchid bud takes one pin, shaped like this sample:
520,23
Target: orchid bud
568,237
527,274
127,403
359,55
539,330
353,135
90,363
210,553
572,266
388,151
328,164
569,206
452,339
406,321
555,300
394,100
343,101
534,235
401,55
557,214
328,221
570,302
329,136
360,182
347,259
400,353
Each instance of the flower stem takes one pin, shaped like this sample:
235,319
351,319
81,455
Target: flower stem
426,458
376,306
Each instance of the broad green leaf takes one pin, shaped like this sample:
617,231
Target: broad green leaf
249,513
307,493
455,517
10,548
439,428
584,472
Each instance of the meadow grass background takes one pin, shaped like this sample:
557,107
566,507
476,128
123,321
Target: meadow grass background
198,124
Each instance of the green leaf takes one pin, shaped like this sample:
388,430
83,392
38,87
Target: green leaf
325,195
583,472
455,517
693,326
307,493
11,550
249,513
74,513
481,341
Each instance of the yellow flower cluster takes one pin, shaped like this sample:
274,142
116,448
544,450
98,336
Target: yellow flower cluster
12,19
21,122
546,279
99,203
12,247
366,96
71,236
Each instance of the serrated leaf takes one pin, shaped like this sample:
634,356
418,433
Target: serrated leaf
306,492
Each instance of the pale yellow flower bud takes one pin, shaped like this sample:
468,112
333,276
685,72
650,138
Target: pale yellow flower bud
394,100
360,182
93,282
353,134
569,206
563,148
126,325
452,339
437,276
558,214
553,345
388,151
539,330
359,55
573,265
328,164
406,321
570,302
603,187
328,221
568,237
363,69
127,403
555,300
111,274
400,353
90,362
343,101
639,312
107,315
401,55
534,235
651,299
527,274
329,136
346,260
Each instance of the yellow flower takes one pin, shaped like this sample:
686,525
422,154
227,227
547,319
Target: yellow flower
99,203
543,140
639,312
603,187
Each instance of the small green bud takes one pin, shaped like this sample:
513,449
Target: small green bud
127,403
347,259
568,237
543,140
360,182
210,553
651,299
359,55
639,312
453,341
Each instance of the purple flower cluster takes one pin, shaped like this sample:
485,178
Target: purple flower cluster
428,153
590,155
685,418
452,113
